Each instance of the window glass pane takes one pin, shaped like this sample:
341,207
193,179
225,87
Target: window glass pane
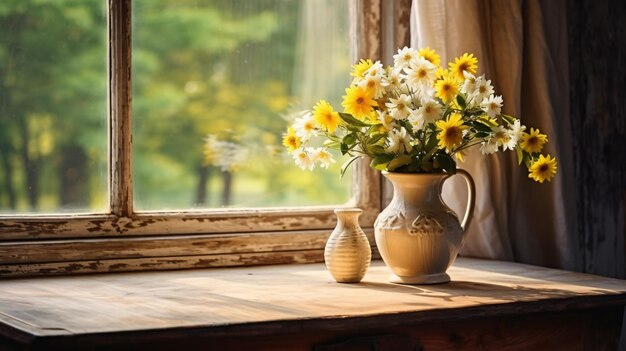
229,74
53,93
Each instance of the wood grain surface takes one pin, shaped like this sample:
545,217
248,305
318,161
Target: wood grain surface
279,300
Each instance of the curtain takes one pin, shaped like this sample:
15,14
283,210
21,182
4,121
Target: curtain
522,47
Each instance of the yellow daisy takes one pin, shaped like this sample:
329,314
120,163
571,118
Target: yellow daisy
442,73
358,70
359,102
325,116
447,88
450,132
465,63
533,142
430,55
291,141
543,169
461,155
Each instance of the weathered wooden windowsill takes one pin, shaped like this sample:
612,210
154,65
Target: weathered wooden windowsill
232,303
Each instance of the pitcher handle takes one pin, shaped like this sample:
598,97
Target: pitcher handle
471,197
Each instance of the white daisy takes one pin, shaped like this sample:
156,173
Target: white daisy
492,105
503,138
483,89
303,159
322,156
305,127
416,119
374,84
376,70
488,147
469,84
404,57
399,108
424,94
420,72
430,111
392,80
399,141
226,155
516,130
386,120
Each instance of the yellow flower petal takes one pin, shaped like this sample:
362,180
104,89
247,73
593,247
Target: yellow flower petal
326,117
544,169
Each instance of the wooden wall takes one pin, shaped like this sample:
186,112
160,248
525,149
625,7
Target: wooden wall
597,52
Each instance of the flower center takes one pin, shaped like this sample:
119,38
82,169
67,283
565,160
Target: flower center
502,136
463,67
482,89
421,73
532,141
452,133
359,100
543,168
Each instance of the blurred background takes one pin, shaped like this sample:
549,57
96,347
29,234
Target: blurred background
215,83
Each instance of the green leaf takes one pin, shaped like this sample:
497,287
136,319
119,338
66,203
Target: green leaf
445,162
509,119
399,161
344,148
446,113
349,139
520,155
432,141
431,147
380,162
347,164
376,149
461,101
488,122
348,118
331,144
481,135
481,127
528,160
375,137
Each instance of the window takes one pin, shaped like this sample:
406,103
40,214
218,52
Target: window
130,227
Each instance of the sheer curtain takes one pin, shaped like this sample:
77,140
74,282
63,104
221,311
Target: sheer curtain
522,47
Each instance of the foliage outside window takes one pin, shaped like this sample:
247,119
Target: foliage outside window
213,82
205,181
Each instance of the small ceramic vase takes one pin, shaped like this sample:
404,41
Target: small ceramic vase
347,253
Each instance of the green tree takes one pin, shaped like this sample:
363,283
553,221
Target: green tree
52,101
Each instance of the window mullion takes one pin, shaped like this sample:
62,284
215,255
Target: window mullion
119,35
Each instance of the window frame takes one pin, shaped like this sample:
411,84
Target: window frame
125,240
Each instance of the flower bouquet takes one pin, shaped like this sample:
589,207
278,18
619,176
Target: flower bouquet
414,120
416,117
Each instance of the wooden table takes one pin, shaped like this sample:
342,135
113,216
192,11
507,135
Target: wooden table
488,305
